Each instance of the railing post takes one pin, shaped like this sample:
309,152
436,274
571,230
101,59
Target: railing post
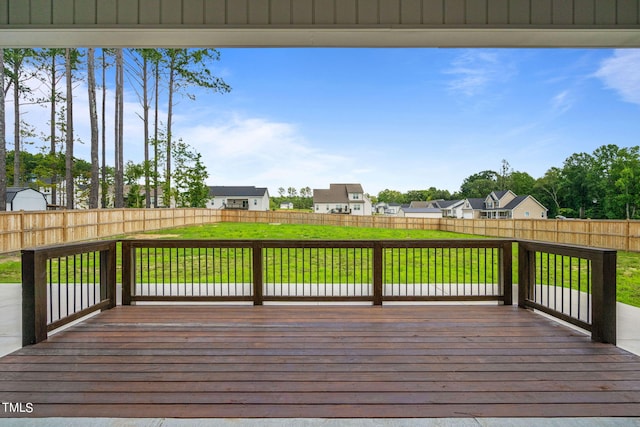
377,273
257,273
603,294
108,275
127,272
34,298
506,272
525,272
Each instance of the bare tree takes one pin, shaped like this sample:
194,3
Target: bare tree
93,118
104,184
69,131
138,70
3,142
187,68
17,58
119,131
52,55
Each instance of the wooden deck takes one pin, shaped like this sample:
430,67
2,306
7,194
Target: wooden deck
321,361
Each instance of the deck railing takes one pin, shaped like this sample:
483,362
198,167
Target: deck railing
574,284
285,270
64,283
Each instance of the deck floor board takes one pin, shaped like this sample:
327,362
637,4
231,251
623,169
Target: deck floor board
321,361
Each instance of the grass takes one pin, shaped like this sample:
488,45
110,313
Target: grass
250,231
628,279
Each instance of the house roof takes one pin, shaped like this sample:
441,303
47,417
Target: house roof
419,204
238,191
476,203
337,193
499,194
515,202
421,210
12,192
351,188
443,204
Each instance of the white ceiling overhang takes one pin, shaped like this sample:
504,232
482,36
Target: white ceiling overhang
314,37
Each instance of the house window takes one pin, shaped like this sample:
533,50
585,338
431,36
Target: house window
355,196
317,207
356,207
255,202
526,214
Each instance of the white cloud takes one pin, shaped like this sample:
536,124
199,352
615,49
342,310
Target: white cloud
562,102
620,73
255,151
38,117
475,70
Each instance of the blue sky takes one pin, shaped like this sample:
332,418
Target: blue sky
412,118
402,118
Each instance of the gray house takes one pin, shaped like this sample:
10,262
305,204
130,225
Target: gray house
25,199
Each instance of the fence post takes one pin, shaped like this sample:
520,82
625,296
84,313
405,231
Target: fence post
127,272
377,273
34,298
603,294
257,273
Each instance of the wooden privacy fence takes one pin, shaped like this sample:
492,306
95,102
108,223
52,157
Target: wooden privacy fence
19,230
620,235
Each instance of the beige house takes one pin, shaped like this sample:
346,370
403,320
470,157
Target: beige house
504,205
342,199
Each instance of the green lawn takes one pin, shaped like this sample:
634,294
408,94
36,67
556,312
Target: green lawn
628,263
228,230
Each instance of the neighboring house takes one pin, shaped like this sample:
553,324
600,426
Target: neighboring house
286,205
383,208
410,212
439,208
25,199
504,205
240,198
342,199
452,208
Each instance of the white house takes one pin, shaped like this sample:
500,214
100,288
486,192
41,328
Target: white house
241,198
25,199
383,208
450,208
342,199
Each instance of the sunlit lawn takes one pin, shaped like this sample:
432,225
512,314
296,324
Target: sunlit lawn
628,279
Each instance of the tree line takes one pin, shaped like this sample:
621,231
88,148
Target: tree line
172,171
604,184
302,199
